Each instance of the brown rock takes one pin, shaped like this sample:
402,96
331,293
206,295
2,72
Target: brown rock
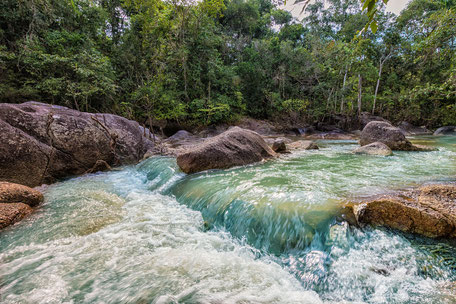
14,193
11,213
235,147
384,132
332,136
303,145
429,211
376,148
41,143
279,146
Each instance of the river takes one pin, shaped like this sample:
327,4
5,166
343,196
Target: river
264,233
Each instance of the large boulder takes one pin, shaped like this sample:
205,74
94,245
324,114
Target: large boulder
384,132
235,147
429,210
376,148
448,130
41,143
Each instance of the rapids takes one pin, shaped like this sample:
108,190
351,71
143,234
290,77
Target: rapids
264,233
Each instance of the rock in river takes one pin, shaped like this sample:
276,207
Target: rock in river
376,148
409,129
303,145
448,130
12,213
279,146
429,210
384,132
16,202
41,143
14,193
235,147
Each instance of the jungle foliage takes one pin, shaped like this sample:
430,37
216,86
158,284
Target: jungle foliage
212,61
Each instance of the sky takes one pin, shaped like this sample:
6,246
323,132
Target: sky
393,6
396,6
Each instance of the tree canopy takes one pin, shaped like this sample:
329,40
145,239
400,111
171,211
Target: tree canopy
214,61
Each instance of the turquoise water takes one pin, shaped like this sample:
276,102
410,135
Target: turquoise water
264,233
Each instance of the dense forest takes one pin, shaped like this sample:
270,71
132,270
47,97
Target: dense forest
198,63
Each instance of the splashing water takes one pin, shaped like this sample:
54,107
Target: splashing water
265,233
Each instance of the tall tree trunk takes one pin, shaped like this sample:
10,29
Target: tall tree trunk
380,69
360,80
378,84
329,98
343,90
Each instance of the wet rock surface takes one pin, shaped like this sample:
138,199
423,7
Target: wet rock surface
429,210
11,213
448,130
16,202
15,193
279,145
42,143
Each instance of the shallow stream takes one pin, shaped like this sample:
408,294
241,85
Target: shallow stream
264,233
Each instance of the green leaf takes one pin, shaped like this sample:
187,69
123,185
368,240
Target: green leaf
374,26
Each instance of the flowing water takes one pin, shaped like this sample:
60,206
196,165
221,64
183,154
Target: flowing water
265,233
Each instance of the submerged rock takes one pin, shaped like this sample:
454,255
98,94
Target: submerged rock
303,145
332,135
41,143
376,148
384,132
14,193
448,130
235,147
429,210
